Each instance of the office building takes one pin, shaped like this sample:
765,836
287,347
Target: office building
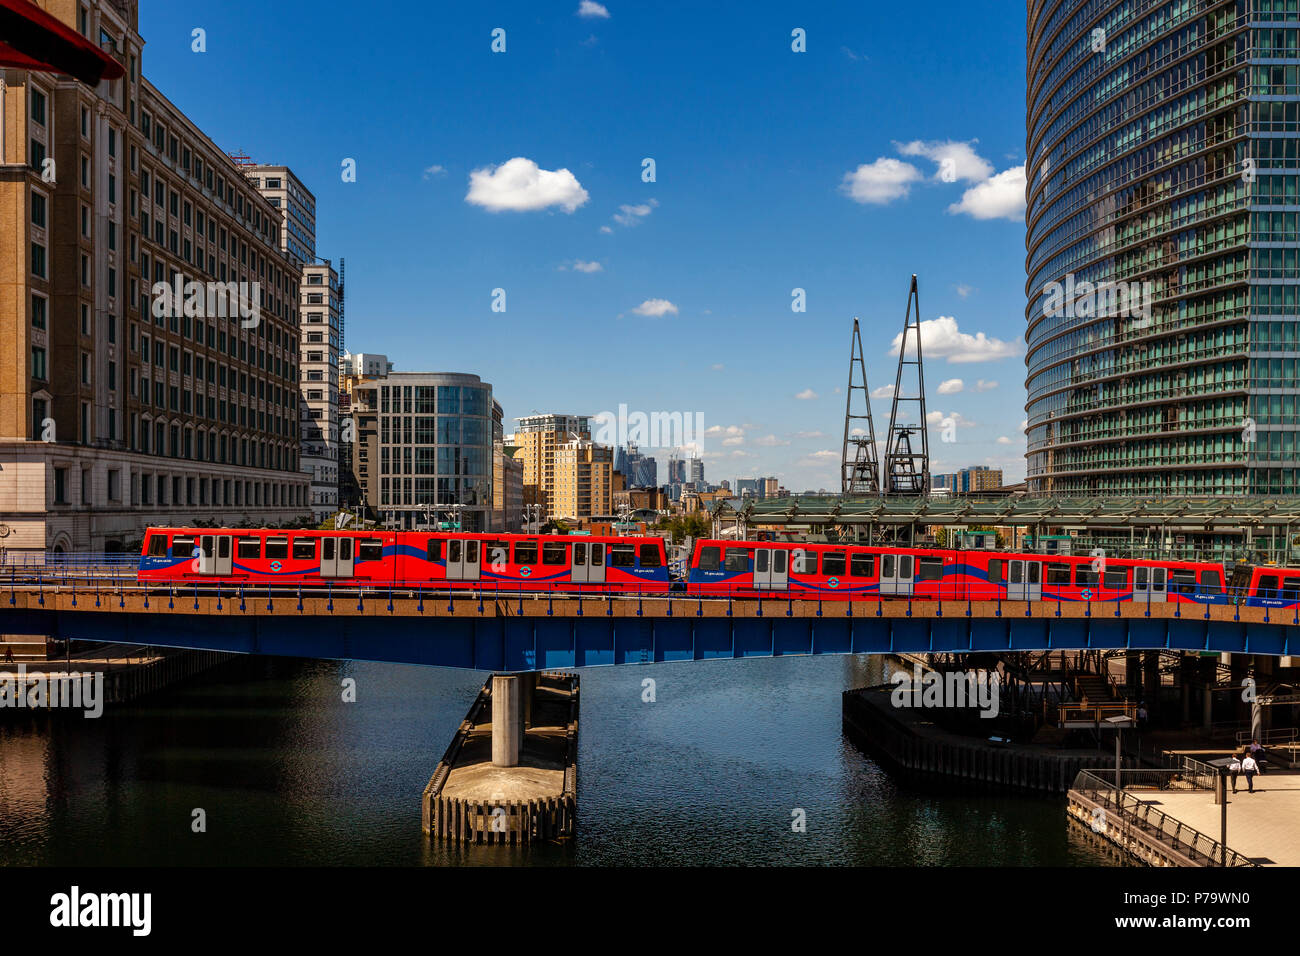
122,402
424,445
973,479
1164,311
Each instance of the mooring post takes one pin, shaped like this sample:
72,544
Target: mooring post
506,716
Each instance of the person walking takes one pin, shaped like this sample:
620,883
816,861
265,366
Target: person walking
1249,767
1234,768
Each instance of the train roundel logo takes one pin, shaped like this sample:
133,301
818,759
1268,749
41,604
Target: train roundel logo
275,565
834,582
1087,594
525,571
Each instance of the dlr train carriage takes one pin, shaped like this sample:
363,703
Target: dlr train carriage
406,558
848,572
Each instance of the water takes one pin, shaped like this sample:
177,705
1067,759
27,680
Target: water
285,772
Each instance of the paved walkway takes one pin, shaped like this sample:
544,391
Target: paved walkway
1264,825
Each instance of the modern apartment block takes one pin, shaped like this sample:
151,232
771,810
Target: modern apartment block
584,480
1162,243
424,448
537,438
149,321
319,307
973,479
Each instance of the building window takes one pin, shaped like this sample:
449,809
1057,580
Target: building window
38,260
38,106
60,486
40,311
38,363
38,210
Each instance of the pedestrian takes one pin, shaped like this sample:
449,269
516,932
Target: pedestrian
1142,716
1234,768
1249,767
9,654
1257,752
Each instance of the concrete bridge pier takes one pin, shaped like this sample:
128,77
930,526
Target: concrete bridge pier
507,720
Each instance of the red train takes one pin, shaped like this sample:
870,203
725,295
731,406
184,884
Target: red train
406,558
716,567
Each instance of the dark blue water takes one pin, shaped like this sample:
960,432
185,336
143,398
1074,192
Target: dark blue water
285,772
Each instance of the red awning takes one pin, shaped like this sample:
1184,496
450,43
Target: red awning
31,39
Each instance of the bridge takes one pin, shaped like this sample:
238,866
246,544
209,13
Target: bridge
501,630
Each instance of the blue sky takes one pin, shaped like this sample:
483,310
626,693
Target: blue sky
892,145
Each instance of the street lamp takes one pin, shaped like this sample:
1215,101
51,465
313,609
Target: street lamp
1119,723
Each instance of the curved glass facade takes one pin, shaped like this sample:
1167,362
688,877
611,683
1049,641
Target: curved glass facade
1163,310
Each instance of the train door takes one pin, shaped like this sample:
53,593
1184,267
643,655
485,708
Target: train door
771,569
587,563
897,572
223,562
208,554
1024,580
336,557
463,560
1150,584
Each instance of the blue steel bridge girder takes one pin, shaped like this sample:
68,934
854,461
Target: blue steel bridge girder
506,643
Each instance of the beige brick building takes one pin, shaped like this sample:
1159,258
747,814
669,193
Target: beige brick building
120,408
537,438
584,480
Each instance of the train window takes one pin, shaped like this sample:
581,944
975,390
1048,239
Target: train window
1140,576
887,566
223,546
471,552
1032,571
370,549
1058,574
1267,585
995,571
1211,582
597,555
904,567
737,559
760,561
778,562
804,562
247,548
1017,572
579,555
455,550
304,549
710,559
1291,589
327,549
650,556
277,548
206,545
345,549
862,565
182,546
622,556
553,553
1085,576
1182,582
834,563
1116,578
158,546
433,550
525,552
930,569
496,552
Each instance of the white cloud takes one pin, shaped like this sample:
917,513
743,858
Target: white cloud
885,391
806,395
592,10
1001,197
718,366
606,229
880,182
958,158
770,441
734,440
964,291
1004,440
656,308
580,265
985,386
718,431
951,387
631,215
941,338
434,170
519,185
1024,425
812,434
938,418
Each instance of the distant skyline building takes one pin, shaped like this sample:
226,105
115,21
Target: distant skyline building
973,479
1163,305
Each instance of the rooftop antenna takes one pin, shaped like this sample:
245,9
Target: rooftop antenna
907,471
860,470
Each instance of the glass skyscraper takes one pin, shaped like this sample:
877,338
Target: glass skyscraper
1162,247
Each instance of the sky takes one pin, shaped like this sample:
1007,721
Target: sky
503,220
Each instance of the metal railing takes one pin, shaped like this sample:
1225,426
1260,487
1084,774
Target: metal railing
1132,812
